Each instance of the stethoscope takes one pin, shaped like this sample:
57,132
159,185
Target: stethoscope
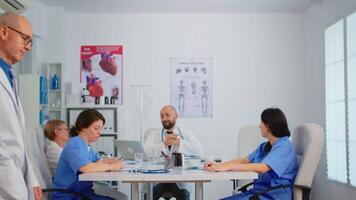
179,133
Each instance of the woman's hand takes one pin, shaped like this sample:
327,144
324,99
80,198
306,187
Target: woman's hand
208,165
116,164
103,165
111,160
216,167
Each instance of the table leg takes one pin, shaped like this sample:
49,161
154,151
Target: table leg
150,191
198,190
135,192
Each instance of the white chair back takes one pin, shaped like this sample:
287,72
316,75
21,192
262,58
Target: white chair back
309,141
248,139
147,140
35,142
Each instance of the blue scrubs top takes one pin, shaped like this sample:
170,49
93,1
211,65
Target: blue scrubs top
6,68
283,163
76,154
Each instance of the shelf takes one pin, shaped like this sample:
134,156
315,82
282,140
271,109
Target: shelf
55,96
54,110
93,106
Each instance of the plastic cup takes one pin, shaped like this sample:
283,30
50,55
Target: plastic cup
138,160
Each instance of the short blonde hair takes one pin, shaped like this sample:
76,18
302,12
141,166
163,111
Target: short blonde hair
51,126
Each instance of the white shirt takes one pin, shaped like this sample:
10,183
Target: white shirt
53,152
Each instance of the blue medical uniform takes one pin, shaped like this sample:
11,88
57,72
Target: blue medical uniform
76,154
6,67
283,163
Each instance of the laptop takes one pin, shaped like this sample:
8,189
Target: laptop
128,148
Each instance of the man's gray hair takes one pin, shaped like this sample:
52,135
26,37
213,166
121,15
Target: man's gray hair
10,19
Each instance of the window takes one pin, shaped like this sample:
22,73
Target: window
340,100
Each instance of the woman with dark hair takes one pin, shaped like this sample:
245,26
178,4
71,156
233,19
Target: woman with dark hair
78,157
275,160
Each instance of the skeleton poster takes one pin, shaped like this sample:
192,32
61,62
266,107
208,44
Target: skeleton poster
101,74
191,86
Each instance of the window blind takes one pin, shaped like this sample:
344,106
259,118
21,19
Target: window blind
351,97
335,102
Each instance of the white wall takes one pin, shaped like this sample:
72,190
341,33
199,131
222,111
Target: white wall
49,30
317,18
258,61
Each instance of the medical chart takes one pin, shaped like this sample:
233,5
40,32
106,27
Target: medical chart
191,86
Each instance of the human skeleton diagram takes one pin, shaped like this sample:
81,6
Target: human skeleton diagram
204,98
181,97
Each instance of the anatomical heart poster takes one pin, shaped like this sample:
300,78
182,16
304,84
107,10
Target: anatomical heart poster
101,74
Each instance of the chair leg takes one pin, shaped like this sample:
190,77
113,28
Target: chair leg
306,193
235,183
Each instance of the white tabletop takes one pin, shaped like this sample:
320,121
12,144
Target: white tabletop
176,175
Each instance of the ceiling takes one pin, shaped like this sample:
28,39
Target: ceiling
169,6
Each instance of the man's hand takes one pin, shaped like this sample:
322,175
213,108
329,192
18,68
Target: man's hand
171,139
37,191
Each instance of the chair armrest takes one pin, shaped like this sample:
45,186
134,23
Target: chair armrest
84,197
244,188
305,189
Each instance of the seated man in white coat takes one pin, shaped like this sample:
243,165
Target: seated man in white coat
172,139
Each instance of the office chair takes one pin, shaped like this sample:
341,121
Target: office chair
309,141
248,139
152,131
35,143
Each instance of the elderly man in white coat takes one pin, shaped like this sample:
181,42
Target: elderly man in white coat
172,139
17,177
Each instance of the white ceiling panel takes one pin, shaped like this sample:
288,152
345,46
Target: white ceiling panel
168,6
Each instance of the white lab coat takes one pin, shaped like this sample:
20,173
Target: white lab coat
16,174
189,146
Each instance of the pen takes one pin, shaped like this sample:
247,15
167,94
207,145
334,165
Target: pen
164,155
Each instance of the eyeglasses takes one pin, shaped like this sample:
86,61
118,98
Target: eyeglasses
63,128
27,40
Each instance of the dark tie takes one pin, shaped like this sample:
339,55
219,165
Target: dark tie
170,146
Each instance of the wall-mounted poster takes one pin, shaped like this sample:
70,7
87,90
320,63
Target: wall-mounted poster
101,74
191,86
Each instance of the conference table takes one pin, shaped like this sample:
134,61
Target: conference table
197,176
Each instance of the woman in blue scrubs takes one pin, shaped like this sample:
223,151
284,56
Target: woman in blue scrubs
275,160
78,157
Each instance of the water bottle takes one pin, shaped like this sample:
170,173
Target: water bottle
55,82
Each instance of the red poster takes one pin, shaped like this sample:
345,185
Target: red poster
101,74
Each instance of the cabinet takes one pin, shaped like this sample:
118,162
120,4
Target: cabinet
34,98
53,73
40,101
